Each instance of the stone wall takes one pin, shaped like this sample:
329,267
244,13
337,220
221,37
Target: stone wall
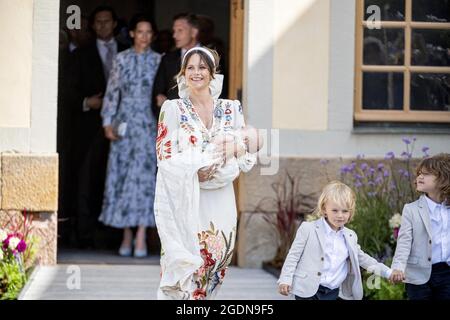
29,182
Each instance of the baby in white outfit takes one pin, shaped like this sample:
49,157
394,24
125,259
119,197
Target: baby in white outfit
228,169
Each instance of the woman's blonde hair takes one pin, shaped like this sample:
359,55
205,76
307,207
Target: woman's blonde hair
339,193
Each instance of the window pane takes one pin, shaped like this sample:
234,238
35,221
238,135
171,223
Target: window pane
431,47
383,90
430,91
383,46
431,10
391,10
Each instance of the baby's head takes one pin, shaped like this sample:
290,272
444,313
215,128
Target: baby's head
336,204
252,138
433,176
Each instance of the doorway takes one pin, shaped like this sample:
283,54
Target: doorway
228,31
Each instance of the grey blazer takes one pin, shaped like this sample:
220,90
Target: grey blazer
413,251
304,263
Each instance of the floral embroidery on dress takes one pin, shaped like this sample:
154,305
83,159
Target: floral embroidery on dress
216,252
165,151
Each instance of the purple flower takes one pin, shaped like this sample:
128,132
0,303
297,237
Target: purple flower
386,173
345,169
349,168
406,141
395,233
414,139
364,166
22,246
379,180
406,155
425,149
324,162
380,166
401,171
371,183
357,176
358,184
406,174
360,156
372,170
389,155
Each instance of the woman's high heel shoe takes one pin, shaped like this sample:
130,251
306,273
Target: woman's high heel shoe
139,253
125,252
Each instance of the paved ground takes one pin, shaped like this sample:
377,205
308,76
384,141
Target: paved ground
104,276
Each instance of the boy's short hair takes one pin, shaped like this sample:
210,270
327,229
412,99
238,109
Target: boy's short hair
439,166
340,193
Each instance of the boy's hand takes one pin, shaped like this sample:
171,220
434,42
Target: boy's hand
284,289
397,276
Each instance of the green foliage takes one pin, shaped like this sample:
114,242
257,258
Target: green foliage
386,290
16,262
371,223
12,279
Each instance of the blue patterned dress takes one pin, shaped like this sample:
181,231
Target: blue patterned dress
130,181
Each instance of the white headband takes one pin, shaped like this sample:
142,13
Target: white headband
208,53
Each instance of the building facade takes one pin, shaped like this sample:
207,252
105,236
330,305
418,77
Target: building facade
305,78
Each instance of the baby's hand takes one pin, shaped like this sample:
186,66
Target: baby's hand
284,289
397,276
221,139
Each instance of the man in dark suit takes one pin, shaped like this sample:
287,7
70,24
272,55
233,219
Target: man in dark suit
185,34
67,132
92,66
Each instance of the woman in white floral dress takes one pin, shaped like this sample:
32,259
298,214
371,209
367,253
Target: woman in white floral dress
197,226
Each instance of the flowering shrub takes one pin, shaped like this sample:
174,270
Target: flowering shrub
16,257
394,224
382,189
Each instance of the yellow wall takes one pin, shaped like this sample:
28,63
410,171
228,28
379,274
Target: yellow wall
301,64
16,21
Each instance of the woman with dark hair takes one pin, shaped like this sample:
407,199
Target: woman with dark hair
130,125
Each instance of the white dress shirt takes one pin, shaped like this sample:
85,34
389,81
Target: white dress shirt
440,231
335,267
103,49
72,47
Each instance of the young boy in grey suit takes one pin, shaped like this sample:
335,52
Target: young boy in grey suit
422,256
325,258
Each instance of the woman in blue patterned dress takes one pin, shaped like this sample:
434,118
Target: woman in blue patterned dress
130,125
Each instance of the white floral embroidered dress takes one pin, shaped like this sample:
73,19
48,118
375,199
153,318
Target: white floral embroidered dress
197,226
